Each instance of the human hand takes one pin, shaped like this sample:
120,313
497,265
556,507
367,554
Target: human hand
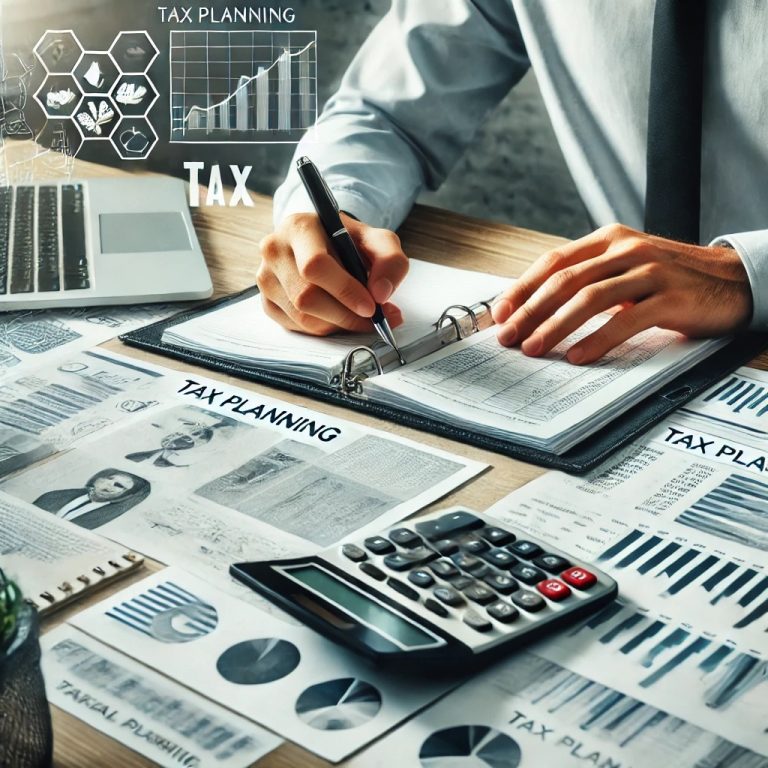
304,287
695,290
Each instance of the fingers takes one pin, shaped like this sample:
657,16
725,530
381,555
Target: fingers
314,265
584,306
621,327
305,288
565,256
568,282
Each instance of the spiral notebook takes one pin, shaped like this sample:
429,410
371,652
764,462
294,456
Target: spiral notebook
55,562
458,380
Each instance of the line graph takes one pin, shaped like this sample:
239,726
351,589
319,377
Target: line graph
242,86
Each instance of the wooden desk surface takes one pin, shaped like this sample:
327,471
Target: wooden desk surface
229,238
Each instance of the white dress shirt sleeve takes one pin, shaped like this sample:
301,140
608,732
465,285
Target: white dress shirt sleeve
752,247
409,105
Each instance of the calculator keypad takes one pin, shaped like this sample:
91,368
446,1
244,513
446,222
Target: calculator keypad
460,568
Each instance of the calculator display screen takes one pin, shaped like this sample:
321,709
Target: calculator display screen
357,604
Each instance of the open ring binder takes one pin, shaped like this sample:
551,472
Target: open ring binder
448,329
343,381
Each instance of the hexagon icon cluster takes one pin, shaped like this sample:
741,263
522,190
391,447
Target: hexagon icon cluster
107,95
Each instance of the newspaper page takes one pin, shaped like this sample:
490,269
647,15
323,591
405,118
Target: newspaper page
543,401
148,713
680,520
46,411
32,338
528,712
288,678
215,474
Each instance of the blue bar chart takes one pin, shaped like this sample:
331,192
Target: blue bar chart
622,720
711,589
656,658
253,86
736,510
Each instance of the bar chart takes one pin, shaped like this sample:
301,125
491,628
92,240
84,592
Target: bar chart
655,659
740,394
736,510
242,86
711,589
615,718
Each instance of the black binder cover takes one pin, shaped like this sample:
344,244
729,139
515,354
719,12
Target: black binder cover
579,459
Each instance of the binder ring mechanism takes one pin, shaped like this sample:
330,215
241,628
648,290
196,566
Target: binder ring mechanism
351,383
455,321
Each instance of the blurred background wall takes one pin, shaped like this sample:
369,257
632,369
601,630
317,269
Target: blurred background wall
514,172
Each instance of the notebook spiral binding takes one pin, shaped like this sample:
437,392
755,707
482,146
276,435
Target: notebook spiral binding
67,589
448,329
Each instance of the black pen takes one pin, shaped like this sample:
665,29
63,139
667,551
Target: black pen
328,212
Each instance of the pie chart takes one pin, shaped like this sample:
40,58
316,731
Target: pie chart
338,704
469,746
254,662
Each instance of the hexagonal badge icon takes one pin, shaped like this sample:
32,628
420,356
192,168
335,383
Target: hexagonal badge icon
97,117
96,72
134,94
133,52
58,95
59,51
134,138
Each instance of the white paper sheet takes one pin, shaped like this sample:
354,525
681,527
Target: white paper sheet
528,712
85,392
215,481
145,711
289,679
680,519
32,338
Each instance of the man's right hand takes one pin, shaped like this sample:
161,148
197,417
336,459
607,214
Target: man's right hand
305,288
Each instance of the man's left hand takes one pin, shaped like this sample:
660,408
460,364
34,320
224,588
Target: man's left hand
650,281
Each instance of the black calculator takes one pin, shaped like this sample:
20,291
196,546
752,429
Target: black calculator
446,588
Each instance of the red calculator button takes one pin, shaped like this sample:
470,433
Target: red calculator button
553,589
579,578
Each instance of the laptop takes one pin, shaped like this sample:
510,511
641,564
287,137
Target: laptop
98,241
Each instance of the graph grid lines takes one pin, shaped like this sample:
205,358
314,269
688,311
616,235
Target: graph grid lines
253,86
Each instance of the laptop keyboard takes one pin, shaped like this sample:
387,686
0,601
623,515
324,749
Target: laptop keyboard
42,239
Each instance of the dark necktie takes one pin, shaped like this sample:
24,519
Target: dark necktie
672,198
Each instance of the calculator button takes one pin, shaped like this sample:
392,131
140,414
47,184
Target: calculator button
379,545
473,545
371,570
405,538
553,589
448,596
448,525
421,578
402,561
476,621
503,612
500,558
354,553
527,600
497,536
579,578
402,588
479,593
525,549
469,563
446,546
461,582
501,583
527,573
445,569
551,563
436,607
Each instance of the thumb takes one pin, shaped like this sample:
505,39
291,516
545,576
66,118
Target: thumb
387,264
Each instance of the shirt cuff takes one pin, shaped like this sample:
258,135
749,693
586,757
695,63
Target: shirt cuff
752,247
